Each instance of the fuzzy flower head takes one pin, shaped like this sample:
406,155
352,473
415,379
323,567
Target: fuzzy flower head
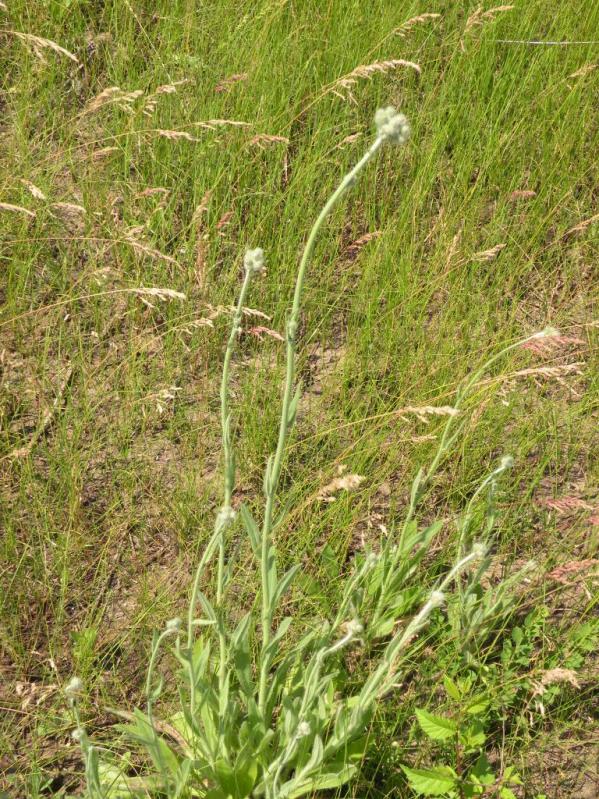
253,260
506,462
303,729
226,516
479,550
74,688
354,627
547,332
174,625
392,125
437,598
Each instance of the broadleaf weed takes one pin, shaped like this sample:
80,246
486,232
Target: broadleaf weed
265,709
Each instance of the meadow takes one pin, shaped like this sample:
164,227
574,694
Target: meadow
144,146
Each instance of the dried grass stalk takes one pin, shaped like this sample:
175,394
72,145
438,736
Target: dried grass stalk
521,194
354,248
584,71
17,209
427,410
263,140
343,86
488,255
546,346
480,17
162,294
581,226
113,95
201,243
45,421
407,26
177,135
103,153
33,189
260,331
38,44
226,84
344,482
565,504
151,252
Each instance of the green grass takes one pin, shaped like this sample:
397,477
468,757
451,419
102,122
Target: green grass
103,518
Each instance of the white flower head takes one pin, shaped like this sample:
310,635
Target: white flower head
392,125
506,462
354,627
479,550
174,625
253,260
437,598
78,734
303,729
547,332
74,688
226,515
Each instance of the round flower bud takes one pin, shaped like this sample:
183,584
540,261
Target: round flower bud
392,125
78,734
506,462
174,625
479,550
354,627
547,332
74,688
437,598
253,260
225,516
303,729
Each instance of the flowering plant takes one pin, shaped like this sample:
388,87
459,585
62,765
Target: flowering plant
267,713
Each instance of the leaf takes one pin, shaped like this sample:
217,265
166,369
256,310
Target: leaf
507,793
324,782
474,736
482,770
437,728
251,529
284,584
292,413
272,647
478,706
225,775
431,781
382,629
451,688
330,562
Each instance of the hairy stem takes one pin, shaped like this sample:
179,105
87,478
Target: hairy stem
286,422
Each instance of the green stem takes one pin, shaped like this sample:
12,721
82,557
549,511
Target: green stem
150,698
224,516
225,420
423,478
286,422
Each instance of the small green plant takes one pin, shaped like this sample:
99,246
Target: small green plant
462,734
265,709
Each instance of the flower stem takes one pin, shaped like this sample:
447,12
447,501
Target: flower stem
286,422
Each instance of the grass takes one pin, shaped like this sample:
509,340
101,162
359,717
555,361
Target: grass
115,403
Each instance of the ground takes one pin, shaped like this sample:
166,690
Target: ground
143,147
